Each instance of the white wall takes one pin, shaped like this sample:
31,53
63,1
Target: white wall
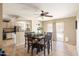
0,25
0,33
70,30
78,33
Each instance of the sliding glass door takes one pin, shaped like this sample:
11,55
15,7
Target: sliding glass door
60,31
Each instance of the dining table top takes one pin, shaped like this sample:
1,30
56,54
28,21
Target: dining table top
36,37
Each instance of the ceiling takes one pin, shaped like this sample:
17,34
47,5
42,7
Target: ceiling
28,11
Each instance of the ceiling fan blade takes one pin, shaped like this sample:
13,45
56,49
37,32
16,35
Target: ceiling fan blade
46,12
48,16
14,16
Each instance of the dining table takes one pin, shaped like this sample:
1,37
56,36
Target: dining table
33,38
40,41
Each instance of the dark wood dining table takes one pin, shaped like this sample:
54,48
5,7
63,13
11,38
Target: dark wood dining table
35,38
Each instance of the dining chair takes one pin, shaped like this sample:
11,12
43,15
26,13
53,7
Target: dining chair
47,42
28,40
50,41
43,44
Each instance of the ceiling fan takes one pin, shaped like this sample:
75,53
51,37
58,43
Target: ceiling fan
45,14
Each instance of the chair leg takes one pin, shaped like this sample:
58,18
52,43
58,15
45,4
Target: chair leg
44,51
28,47
32,51
37,49
48,48
44,46
51,45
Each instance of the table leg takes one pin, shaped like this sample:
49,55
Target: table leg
28,47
